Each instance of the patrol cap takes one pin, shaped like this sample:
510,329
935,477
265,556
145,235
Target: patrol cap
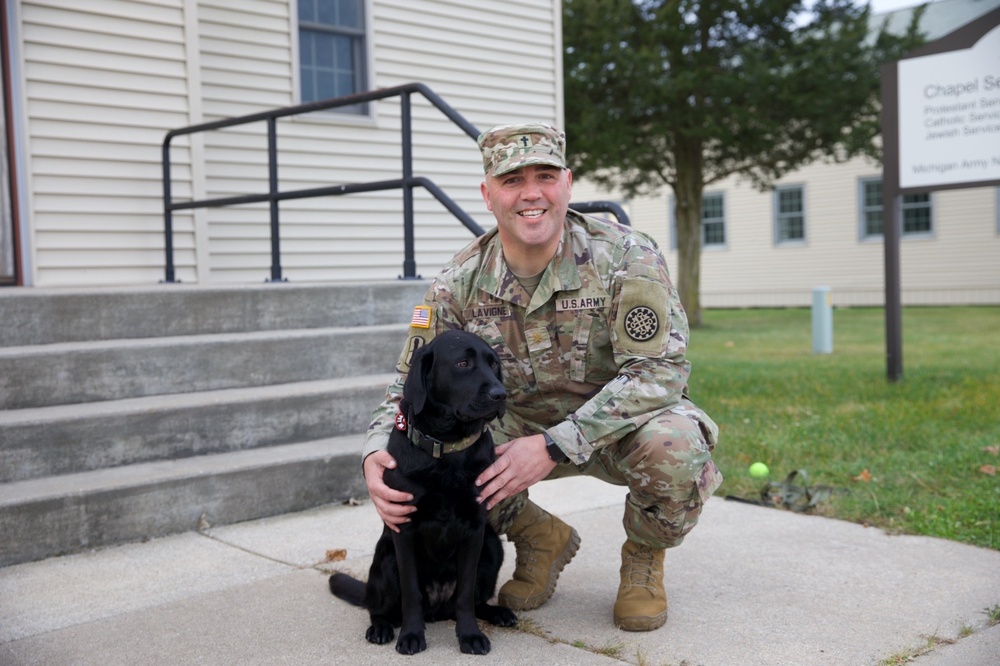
509,147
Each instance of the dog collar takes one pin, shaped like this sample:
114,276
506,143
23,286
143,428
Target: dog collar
432,445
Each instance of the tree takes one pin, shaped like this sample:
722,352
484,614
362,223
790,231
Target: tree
684,93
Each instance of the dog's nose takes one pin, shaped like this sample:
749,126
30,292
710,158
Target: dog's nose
498,393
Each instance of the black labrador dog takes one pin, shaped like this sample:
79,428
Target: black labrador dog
444,563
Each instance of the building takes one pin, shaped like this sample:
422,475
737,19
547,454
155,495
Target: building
91,87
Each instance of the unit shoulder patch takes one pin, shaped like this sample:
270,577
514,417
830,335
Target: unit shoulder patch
642,323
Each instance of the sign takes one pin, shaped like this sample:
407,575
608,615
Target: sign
940,130
949,116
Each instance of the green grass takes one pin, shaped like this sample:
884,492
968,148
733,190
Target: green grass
924,439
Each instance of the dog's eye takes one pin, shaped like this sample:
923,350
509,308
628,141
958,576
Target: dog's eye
464,363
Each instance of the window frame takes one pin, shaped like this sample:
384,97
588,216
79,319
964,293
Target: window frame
705,245
865,235
778,217
672,222
364,62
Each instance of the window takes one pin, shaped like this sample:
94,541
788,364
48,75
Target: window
916,211
871,208
332,50
713,221
789,214
916,214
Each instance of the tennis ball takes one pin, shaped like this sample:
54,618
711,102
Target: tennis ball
759,470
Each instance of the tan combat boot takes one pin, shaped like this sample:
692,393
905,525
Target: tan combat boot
642,601
544,546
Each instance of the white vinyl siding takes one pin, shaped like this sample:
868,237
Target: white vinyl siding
106,79
102,81
360,236
957,264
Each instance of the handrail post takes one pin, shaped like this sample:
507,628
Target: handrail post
409,247
272,179
168,216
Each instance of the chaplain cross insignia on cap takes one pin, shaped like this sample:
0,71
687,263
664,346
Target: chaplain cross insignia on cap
509,147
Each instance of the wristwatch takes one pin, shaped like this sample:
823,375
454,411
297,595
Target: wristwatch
555,453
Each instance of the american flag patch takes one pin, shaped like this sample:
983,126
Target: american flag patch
421,317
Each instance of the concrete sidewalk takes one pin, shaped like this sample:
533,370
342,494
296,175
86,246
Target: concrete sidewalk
749,586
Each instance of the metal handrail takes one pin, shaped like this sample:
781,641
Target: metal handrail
273,196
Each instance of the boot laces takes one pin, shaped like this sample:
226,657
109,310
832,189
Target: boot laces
526,551
640,570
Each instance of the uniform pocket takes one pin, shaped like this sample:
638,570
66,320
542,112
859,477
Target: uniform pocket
513,372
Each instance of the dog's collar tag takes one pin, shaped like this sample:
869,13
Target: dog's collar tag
400,422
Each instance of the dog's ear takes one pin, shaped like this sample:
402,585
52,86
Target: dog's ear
415,387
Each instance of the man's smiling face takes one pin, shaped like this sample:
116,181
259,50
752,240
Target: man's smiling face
530,206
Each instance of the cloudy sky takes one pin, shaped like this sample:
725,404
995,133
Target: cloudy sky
879,6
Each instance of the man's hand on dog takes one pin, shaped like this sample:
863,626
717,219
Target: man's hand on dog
389,503
520,464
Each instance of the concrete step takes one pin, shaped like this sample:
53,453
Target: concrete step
128,413
66,439
44,316
78,372
63,514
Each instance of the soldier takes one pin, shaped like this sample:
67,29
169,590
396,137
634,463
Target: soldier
592,339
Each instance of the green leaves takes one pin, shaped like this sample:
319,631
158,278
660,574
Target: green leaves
761,86
688,92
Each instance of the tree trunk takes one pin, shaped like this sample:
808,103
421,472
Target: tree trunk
688,190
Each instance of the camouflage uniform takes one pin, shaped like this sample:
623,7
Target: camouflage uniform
596,358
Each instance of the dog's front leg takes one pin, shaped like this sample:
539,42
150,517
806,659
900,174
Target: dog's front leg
411,633
470,639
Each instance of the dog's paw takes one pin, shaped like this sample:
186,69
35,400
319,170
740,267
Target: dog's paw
380,633
411,643
474,643
505,617
497,615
